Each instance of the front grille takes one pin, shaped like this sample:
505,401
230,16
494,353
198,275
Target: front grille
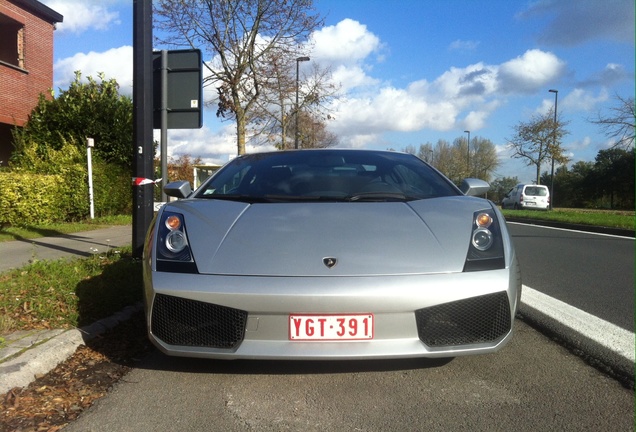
475,320
179,321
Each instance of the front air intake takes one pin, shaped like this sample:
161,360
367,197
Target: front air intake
179,321
475,320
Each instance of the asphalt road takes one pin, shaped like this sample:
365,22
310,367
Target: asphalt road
592,272
533,384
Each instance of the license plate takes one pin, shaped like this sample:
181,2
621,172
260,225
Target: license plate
331,327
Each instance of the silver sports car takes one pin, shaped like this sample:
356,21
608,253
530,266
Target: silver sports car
329,254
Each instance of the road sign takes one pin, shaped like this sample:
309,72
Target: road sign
184,89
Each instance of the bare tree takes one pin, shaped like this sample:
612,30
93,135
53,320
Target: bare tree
274,117
539,141
618,124
424,152
238,35
313,132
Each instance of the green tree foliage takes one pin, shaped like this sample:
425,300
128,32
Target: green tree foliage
53,142
606,183
454,160
500,187
614,177
483,158
539,141
69,198
94,109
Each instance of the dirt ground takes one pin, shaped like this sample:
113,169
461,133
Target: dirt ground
59,397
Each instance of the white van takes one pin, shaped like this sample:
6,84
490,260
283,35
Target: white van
527,196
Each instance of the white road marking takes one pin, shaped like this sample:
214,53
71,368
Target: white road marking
617,339
572,230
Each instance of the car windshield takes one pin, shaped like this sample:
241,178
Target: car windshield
326,175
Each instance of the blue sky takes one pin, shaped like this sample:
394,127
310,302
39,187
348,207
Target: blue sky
416,71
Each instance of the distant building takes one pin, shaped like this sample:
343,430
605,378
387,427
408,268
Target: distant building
26,63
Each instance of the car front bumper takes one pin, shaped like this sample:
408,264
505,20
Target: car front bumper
413,314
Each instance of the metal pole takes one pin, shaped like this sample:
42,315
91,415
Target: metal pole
90,143
556,94
297,134
142,122
164,123
468,152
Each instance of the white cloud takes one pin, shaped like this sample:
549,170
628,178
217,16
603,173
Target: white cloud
530,72
583,100
80,15
346,48
215,147
348,42
115,63
473,82
577,100
580,145
475,90
353,77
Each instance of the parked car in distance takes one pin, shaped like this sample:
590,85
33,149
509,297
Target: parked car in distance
329,254
527,196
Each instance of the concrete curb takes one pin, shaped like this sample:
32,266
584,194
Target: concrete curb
24,367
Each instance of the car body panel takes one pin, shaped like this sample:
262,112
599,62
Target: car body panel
292,238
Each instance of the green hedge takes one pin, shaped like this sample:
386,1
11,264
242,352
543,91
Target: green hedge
27,198
30,199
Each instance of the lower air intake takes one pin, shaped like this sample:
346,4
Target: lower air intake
179,321
475,320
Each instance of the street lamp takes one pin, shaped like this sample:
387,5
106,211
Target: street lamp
298,60
556,96
468,153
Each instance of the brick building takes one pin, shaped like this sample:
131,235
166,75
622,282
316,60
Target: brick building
26,63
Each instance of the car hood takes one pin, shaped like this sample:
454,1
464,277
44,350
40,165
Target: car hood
364,239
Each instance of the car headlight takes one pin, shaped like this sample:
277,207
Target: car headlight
486,245
173,249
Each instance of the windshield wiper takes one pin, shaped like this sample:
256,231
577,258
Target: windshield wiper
300,198
380,196
237,197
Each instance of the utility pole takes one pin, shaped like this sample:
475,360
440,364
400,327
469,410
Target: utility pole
468,152
142,124
556,94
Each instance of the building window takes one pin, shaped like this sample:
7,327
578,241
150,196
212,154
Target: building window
11,42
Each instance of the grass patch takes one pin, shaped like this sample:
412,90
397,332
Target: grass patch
604,218
66,294
51,230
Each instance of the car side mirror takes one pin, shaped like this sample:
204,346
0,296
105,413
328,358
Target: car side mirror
474,187
178,189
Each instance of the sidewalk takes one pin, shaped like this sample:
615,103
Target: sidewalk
18,253
26,354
